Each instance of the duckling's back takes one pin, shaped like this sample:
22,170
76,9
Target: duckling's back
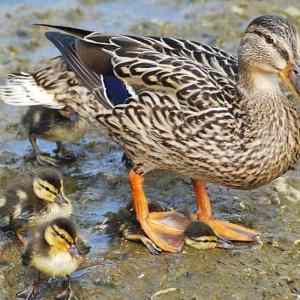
18,202
51,124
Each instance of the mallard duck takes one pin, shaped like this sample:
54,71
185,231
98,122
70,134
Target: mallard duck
57,125
32,199
53,251
188,114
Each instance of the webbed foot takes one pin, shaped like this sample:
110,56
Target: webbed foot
164,229
222,229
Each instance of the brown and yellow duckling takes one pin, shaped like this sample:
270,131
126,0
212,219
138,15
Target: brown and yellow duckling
33,199
53,250
54,79
59,126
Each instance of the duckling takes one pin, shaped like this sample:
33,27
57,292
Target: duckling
33,199
54,79
54,125
200,236
53,250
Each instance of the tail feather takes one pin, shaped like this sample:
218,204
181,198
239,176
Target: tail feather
94,82
21,89
81,33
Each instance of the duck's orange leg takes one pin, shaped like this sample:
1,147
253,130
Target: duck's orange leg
165,229
221,228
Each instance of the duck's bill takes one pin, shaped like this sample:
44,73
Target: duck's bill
74,251
291,76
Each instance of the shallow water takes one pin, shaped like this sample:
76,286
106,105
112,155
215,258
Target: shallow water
97,183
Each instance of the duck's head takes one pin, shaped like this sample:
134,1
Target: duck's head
61,237
270,49
48,186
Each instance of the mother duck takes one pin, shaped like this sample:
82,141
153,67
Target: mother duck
188,108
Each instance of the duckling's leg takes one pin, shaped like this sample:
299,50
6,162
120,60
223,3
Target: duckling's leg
31,292
41,159
221,228
63,152
165,229
67,294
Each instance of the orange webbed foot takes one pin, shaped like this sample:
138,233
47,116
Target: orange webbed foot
222,229
230,231
165,229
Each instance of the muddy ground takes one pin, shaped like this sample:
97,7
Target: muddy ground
97,183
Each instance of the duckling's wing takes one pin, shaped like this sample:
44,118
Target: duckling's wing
21,218
27,255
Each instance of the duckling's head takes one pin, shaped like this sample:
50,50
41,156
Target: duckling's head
200,236
270,49
61,237
48,186
54,249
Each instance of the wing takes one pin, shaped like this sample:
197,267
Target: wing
204,55
197,78
150,64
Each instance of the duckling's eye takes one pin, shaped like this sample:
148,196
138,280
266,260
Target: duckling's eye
48,187
63,234
49,190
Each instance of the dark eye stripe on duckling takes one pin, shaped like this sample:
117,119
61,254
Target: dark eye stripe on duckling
269,40
63,235
48,187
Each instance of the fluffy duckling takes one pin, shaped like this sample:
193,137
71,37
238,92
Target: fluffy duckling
53,250
33,199
54,125
54,79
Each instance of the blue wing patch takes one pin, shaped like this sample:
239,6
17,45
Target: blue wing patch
115,89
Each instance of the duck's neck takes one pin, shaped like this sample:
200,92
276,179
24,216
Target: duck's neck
273,121
261,97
